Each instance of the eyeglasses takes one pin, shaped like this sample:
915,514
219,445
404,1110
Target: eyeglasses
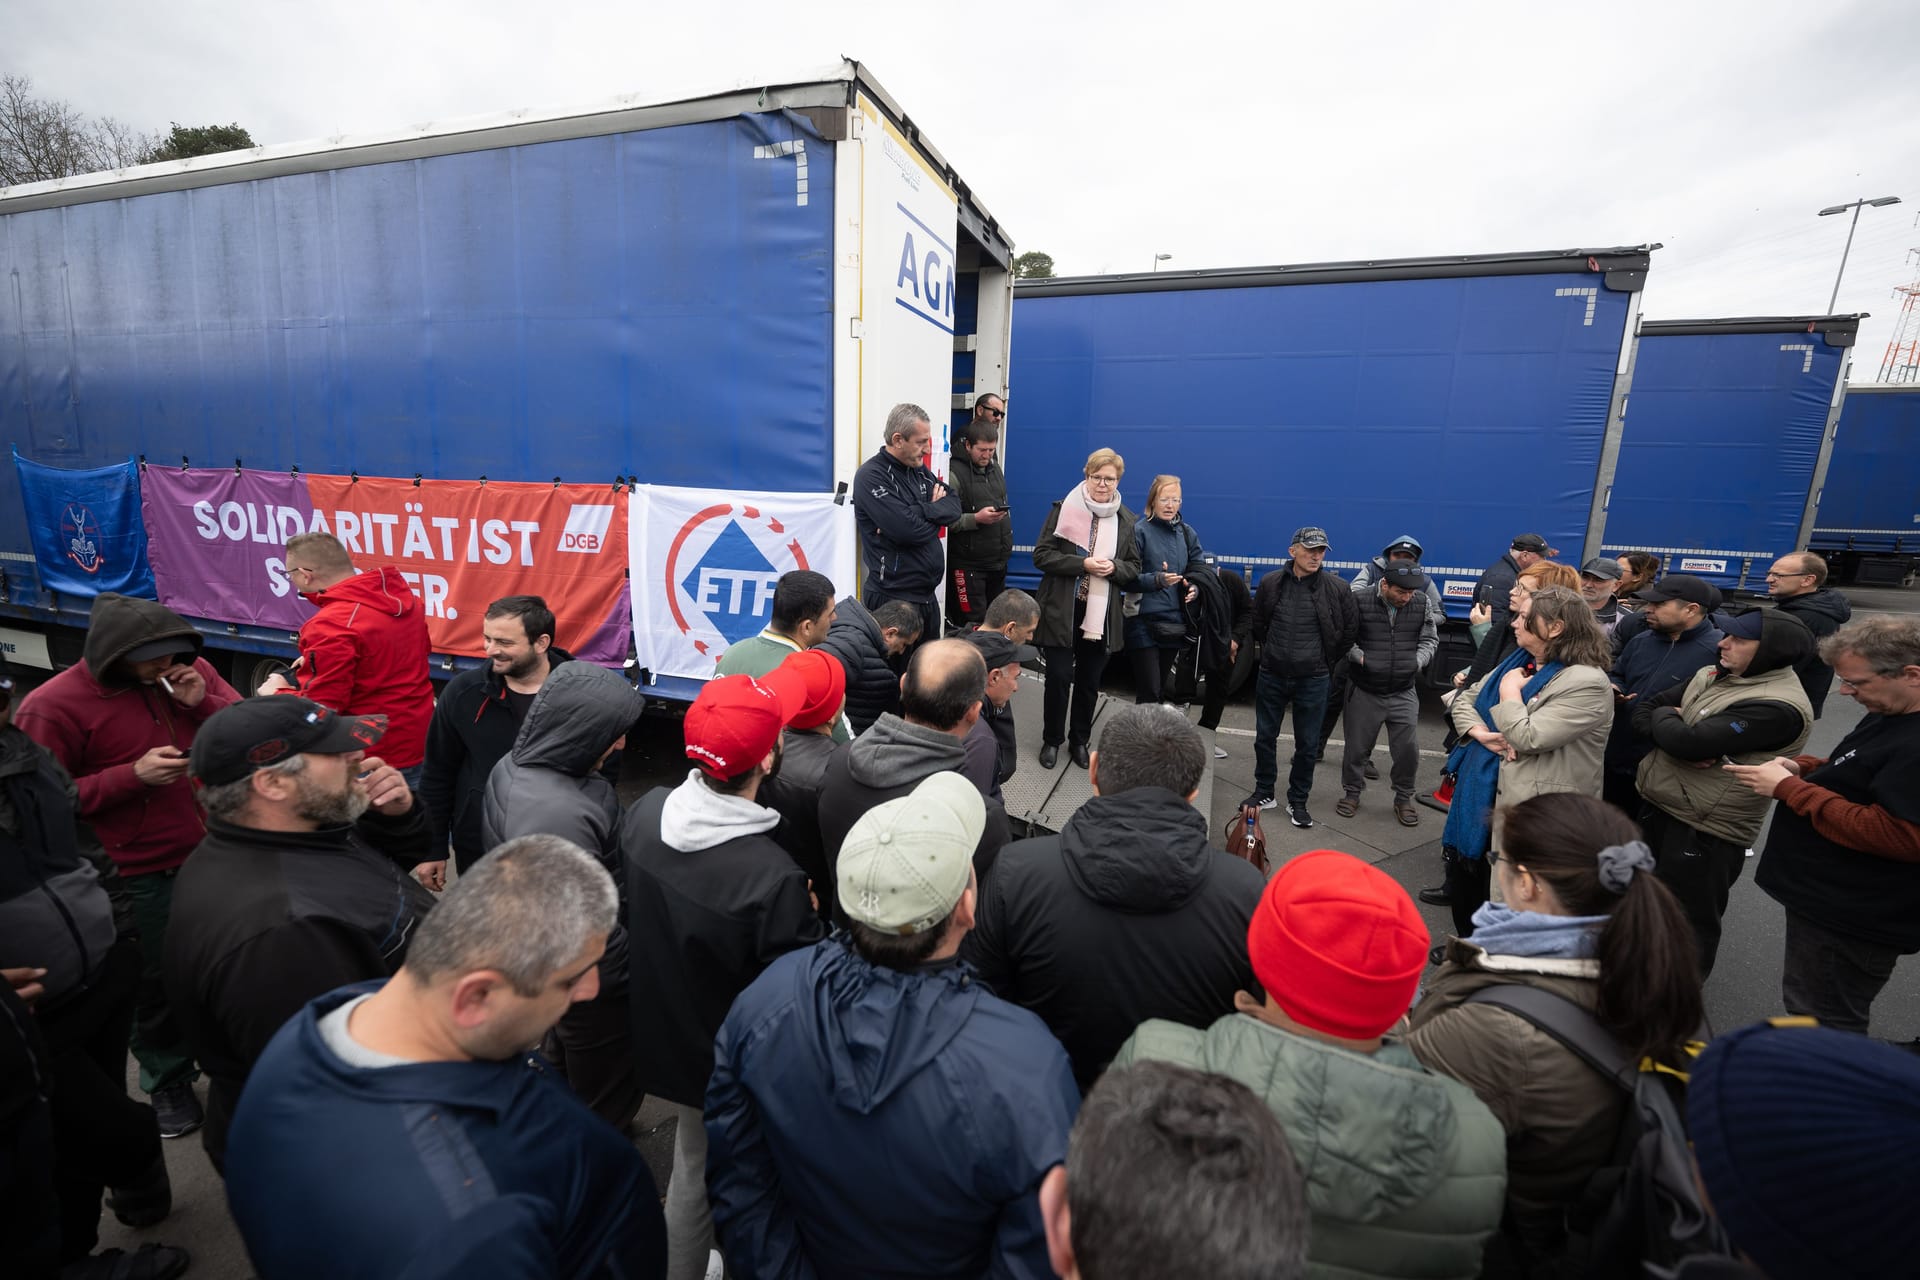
1774,576
1861,683
1103,481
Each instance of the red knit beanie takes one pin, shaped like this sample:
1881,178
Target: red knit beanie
1338,945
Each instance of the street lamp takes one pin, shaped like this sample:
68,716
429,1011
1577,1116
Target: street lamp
1159,258
1879,202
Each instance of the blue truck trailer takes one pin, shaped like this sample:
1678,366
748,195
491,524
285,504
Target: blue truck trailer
1869,523
1729,429
727,292
1464,400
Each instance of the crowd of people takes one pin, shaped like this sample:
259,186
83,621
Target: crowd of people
430,964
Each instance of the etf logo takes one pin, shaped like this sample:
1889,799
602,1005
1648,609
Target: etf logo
721,571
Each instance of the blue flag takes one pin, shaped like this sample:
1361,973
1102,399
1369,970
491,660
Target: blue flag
88,535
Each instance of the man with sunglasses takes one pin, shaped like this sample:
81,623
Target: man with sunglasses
1843,855
981,540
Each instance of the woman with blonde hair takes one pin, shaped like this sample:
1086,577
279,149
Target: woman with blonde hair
1087,556
1537,723
1169,551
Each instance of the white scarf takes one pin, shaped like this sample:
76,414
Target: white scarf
1095,528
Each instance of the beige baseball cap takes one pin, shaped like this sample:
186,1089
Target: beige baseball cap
905,863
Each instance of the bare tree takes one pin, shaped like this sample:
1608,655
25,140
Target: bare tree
42,138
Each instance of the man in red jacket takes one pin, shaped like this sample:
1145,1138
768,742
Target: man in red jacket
365,653
121,721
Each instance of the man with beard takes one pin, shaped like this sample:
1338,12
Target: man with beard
301,885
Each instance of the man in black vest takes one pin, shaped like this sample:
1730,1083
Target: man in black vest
1398,638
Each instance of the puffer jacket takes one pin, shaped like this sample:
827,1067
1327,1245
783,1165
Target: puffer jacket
1560,735
1394,645
1750,718
1372,571
830,1069
549,785
366,653
873,687
1168,550
54,912
899,526
1406,1170
96,722
1062,566
983,548
1128,914
1291,650
1823,612
1560,1115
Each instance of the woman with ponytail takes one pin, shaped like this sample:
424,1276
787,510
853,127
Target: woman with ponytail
1584,917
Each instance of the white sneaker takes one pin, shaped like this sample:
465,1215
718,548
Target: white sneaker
1219,753
716,1266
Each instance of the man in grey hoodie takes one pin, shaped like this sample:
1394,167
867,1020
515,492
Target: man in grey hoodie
941,695
550,784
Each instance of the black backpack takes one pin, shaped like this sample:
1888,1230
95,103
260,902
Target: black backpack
1642,1208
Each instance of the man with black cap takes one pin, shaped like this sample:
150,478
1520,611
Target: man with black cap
990,744
1305,620
1500,576
121,721
1398,638
1747,708
1599,579
1679,640
1404,549
301,885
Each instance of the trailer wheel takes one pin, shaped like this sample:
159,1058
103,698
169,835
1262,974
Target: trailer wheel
261,670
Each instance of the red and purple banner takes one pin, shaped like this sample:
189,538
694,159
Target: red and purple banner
215,538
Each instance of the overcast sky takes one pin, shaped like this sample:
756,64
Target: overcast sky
1223,134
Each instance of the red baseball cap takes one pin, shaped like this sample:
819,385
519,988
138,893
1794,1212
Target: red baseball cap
735,721
824,684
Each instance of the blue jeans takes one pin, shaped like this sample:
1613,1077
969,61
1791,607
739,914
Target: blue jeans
1308,694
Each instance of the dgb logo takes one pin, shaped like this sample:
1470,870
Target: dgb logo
721,570
80,530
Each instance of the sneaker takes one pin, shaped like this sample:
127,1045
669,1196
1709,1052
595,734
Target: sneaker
177,1110
1297,814
716,1265
1258,801
1349,804
1219,753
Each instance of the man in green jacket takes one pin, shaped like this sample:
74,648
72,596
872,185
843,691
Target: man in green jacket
1405,1169
803,610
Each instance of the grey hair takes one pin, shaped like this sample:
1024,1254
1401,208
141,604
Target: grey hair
1150,746
900,420
526,909
1011,605
225,800
1886,644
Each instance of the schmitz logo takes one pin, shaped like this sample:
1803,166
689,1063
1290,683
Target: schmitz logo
721,570
1457,589
82,534
586,528
1696,564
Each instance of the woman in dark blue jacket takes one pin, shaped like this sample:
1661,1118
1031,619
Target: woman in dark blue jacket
1169,550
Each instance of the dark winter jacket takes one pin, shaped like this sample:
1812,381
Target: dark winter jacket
1822,611
264,921
1062,566
899,525
1650,665
794,794
873,687
54,912
1127,914
983,548
97,722
1372,571
1167,551
472,730
548,783
1290,644
1222,611
712,901
1493,589
867,1123
431,1169
366,653
884,763
1395,645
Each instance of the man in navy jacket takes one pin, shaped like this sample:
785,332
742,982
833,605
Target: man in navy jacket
429,1140
899,507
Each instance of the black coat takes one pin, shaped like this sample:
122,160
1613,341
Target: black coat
1291,651
899,525
1823,611
1215,607
1061,569
1127,914
1495,585
873,687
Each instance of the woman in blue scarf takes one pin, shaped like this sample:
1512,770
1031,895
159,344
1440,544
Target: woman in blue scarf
1537,723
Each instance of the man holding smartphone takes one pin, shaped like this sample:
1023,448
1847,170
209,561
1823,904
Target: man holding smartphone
981,540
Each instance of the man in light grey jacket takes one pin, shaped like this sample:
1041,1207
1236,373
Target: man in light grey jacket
550,784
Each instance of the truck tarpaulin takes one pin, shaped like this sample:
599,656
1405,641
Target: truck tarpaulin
216,538
85,528
1872,497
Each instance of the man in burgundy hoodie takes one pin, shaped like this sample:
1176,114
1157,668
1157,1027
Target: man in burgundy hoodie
365,653
121,721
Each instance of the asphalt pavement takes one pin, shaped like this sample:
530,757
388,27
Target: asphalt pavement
1745,986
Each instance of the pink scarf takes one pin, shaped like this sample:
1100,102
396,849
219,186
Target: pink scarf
1094,527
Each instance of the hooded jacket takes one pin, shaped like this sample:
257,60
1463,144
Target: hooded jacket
97,722
366,653
471,731
981,548
431,1169
1750,718
1652,664
873,687
548,783
794,793
1405,1169
886,762
1822,611
868,1123
54,912
899,525
711,901
1127,914
1373,570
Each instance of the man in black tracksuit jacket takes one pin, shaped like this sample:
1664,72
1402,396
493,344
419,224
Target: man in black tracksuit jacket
899,508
